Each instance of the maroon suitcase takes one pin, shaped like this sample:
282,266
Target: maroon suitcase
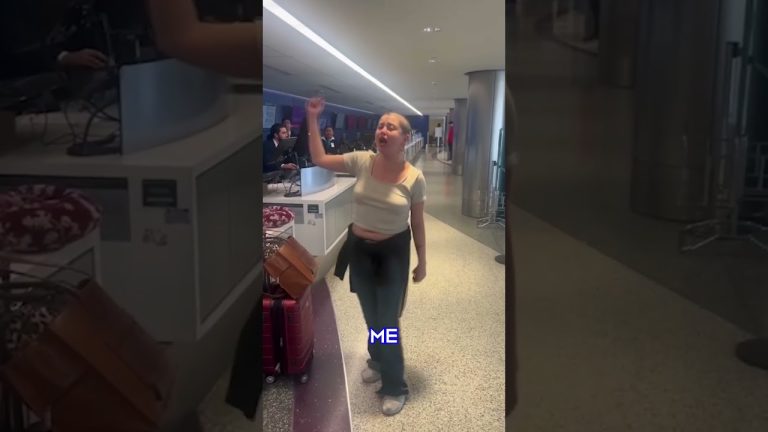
288,336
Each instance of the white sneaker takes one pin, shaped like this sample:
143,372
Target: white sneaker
392,405
371,375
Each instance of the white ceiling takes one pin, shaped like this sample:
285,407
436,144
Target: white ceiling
385,38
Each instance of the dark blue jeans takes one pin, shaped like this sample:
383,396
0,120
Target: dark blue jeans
379,274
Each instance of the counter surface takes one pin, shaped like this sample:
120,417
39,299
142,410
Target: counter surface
275,194
198,151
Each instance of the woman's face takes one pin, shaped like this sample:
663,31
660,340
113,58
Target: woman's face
390,139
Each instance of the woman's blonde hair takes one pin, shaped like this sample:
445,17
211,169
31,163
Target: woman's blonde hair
405,126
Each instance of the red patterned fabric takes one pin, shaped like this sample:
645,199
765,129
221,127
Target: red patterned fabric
43,218
275,217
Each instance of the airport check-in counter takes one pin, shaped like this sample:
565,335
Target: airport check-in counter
180,235
322,212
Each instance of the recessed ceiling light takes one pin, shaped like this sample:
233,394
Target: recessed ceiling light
299,26
433,60
427,29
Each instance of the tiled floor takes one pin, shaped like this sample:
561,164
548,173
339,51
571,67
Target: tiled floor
444,201
603,348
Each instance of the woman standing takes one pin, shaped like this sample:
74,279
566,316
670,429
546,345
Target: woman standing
387,192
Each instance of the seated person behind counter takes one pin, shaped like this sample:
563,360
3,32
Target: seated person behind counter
74,51
273,161
329,142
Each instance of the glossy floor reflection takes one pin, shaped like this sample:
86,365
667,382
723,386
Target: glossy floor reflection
444,200
604,348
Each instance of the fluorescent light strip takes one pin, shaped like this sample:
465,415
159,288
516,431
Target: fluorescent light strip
289,19
306,98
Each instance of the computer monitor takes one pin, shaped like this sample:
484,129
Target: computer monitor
166,100
286,145
301,150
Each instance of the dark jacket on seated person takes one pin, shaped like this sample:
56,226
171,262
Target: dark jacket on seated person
331,146
272,159
38,58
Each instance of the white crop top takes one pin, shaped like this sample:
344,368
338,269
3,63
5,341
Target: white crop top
379,206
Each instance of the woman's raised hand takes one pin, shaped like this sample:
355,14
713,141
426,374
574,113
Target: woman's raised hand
315,106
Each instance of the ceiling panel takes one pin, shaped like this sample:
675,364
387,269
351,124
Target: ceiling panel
387,40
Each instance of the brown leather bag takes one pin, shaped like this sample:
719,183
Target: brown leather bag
293,267
93,369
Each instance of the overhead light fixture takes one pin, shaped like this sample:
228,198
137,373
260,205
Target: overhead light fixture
433,60
297,25
427,29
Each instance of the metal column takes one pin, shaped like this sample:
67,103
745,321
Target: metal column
675,102
618,39
485,121
459,135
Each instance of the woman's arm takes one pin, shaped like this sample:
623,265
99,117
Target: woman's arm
420,240
230,48
315,106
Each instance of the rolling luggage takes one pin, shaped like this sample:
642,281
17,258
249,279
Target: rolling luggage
288,336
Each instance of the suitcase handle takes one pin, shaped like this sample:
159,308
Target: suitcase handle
277,293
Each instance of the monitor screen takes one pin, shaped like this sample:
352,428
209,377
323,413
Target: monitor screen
301,150
286,145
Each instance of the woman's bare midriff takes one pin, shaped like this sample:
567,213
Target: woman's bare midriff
368,234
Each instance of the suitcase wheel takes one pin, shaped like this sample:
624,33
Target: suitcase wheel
304,378
270,379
